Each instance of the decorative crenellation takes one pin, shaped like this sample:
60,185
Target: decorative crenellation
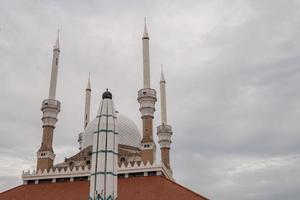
140,167
66,171
71,173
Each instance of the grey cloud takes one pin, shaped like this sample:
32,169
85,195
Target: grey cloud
232,70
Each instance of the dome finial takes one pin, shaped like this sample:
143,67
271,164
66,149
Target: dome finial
107,94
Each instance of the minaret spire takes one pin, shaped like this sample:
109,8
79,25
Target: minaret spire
164,131
87,108
145,35
56,46
147,99
162,77
55,59
146,57
163,104
88,92
50,109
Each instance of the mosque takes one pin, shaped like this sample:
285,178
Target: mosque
115,160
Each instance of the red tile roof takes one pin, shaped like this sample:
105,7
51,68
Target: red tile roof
146,188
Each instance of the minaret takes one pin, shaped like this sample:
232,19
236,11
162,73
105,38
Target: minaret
86,117
164,131
146,58
103,178
147,99
88,92
50,109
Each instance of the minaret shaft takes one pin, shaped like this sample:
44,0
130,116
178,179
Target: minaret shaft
53,80
146,62
87,107
48,137
163,104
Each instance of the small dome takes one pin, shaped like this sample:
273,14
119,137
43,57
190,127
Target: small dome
107,95
128,132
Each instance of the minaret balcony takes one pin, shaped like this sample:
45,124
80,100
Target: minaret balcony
146,93
51,104
164,128
147,99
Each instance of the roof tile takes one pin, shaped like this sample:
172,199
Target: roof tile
146,188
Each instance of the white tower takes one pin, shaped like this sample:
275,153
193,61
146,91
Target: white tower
164,131
146,58
147,99
50,109
103,181
87,108
53,81
88,92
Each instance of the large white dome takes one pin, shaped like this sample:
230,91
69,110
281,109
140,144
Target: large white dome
128,132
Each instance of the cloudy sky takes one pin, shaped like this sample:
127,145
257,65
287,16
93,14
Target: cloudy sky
232,70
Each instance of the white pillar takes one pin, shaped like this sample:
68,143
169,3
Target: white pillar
163,105
103,183
88,92
55,59
146,59
164,131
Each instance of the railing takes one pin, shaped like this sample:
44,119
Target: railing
51,103
147,92
164,128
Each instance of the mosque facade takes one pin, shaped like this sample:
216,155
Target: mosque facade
115,160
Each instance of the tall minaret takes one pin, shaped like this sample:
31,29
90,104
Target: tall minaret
87,108
50,109
147,99
146,58
103,179
164,131
88,92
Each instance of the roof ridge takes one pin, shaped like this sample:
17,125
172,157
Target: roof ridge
183,187
11,189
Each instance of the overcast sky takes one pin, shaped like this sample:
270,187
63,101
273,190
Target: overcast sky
232,71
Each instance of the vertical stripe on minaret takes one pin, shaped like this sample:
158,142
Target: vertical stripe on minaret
87,107
103,180
53,81
146,58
